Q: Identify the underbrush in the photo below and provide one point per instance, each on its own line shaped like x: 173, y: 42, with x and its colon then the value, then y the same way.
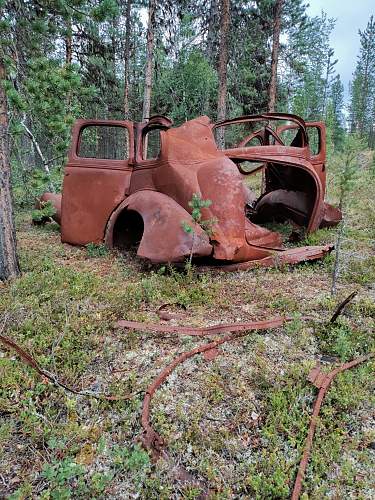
x: 238, y: 424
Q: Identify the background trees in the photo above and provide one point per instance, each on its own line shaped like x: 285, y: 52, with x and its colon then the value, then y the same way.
x: 131, y: 58
x: 117, y: 58
x: 362, y: 105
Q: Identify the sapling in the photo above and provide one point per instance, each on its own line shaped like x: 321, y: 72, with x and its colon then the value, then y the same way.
x: 197, y: 203
x: 348, y: 159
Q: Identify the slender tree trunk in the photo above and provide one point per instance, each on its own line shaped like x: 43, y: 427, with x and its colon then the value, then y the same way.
x: 9, y: 267
x: 275, y: 55
x: 211, y: 30
x: 149, y: 60
x: 127, y: 59
x: 68, y: 43
x: 326, y: 82
x: 223, y: 63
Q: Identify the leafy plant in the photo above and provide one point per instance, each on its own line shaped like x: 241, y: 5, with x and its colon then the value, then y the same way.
x: 96, y: 250
x: 62, y: 476
x: 197, y: 203
x: 44, y: 213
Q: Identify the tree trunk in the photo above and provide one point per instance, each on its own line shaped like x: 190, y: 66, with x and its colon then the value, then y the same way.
x: 68, y: 43
x: 275, y: 55
x: 223, y: 62
x: 127, y: 59
x: 9, y: 267
x: 212, y: 30
x: 149, y: 60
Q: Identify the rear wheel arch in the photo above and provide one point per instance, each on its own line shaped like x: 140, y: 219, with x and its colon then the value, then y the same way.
x: 153, y: 220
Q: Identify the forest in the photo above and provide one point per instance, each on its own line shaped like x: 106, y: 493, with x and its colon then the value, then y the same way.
x: 73, y: 380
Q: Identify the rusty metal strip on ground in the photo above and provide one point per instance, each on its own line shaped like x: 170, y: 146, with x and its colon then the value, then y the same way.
x: 167, y: 316
x: 150, y: 439
x: 202, y: 331
x: 322, y: 381
x: 342, y: 306
x: 289, y: 256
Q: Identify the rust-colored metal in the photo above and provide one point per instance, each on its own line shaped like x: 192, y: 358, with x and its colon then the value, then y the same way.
x: 279, y: 258
x: 130, y: 200
x: 55, y: 200
x: 322, y: 381
x: 163, y: 313
x: 151, y: 439
x: 202, y: 331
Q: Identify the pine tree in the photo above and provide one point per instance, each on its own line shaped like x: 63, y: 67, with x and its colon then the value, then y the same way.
x: 275, y: 54
x: 9, y: 267
x: 363, y: 86
x: 223, y: 62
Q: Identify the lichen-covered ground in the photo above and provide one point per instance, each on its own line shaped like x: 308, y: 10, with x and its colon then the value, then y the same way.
x: 237, y: 424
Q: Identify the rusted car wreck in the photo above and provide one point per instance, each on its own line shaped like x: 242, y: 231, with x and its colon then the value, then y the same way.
x: 128, y: 184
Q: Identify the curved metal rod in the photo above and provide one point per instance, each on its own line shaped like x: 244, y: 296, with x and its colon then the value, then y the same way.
x: 151, y: 439
x: 322, y: 381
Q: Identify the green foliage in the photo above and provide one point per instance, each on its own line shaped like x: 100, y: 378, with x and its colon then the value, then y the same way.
x: 64, y: 477
x: 197, y: 203
x: 362, y: 89
x: 348, y: 164
x: 106, y: 9
x: 43, y: 214
x: 187, y: 87
x: 96, y: 250
x: 133, y: 459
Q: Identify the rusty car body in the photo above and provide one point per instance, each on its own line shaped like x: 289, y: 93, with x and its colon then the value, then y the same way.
x: 129, y: 184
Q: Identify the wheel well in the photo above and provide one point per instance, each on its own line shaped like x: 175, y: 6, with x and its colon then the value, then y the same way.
x: 128, y: 230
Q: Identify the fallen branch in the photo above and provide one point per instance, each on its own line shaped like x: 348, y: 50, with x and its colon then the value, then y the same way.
x: 30, y: 361
x: 40, y: 154
x: 342, y: 306
x: 322, y: 381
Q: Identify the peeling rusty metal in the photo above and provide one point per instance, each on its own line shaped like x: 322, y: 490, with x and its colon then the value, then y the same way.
x: 278, y: 259
x: 136, y: 201
x: 322, y: 381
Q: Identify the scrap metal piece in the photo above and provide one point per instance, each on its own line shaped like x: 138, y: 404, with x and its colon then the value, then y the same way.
x: 202, y: 331
x: 291, y: 256
x: 118, y: 190
x: 322, y: 381
x: 55, y: 200
x: 342, y: 306
x: 150, y: 438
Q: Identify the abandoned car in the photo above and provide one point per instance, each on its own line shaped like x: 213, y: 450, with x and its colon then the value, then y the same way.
x: 128, y: 184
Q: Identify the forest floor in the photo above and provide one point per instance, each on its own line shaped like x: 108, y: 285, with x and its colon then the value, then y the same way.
x: 238, y: 423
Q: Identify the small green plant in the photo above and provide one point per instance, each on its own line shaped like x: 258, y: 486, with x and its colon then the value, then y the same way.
x: 44, y: 213
x: 63, y: 476
x: 130, y: 459
x: 197, y: 203
x: 96, y: 250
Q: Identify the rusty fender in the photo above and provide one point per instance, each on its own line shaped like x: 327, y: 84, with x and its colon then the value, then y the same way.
x: 55, y: 199
x: 164, y: 238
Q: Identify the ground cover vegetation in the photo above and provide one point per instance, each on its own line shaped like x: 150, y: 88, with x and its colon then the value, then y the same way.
x: 238, y: 423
